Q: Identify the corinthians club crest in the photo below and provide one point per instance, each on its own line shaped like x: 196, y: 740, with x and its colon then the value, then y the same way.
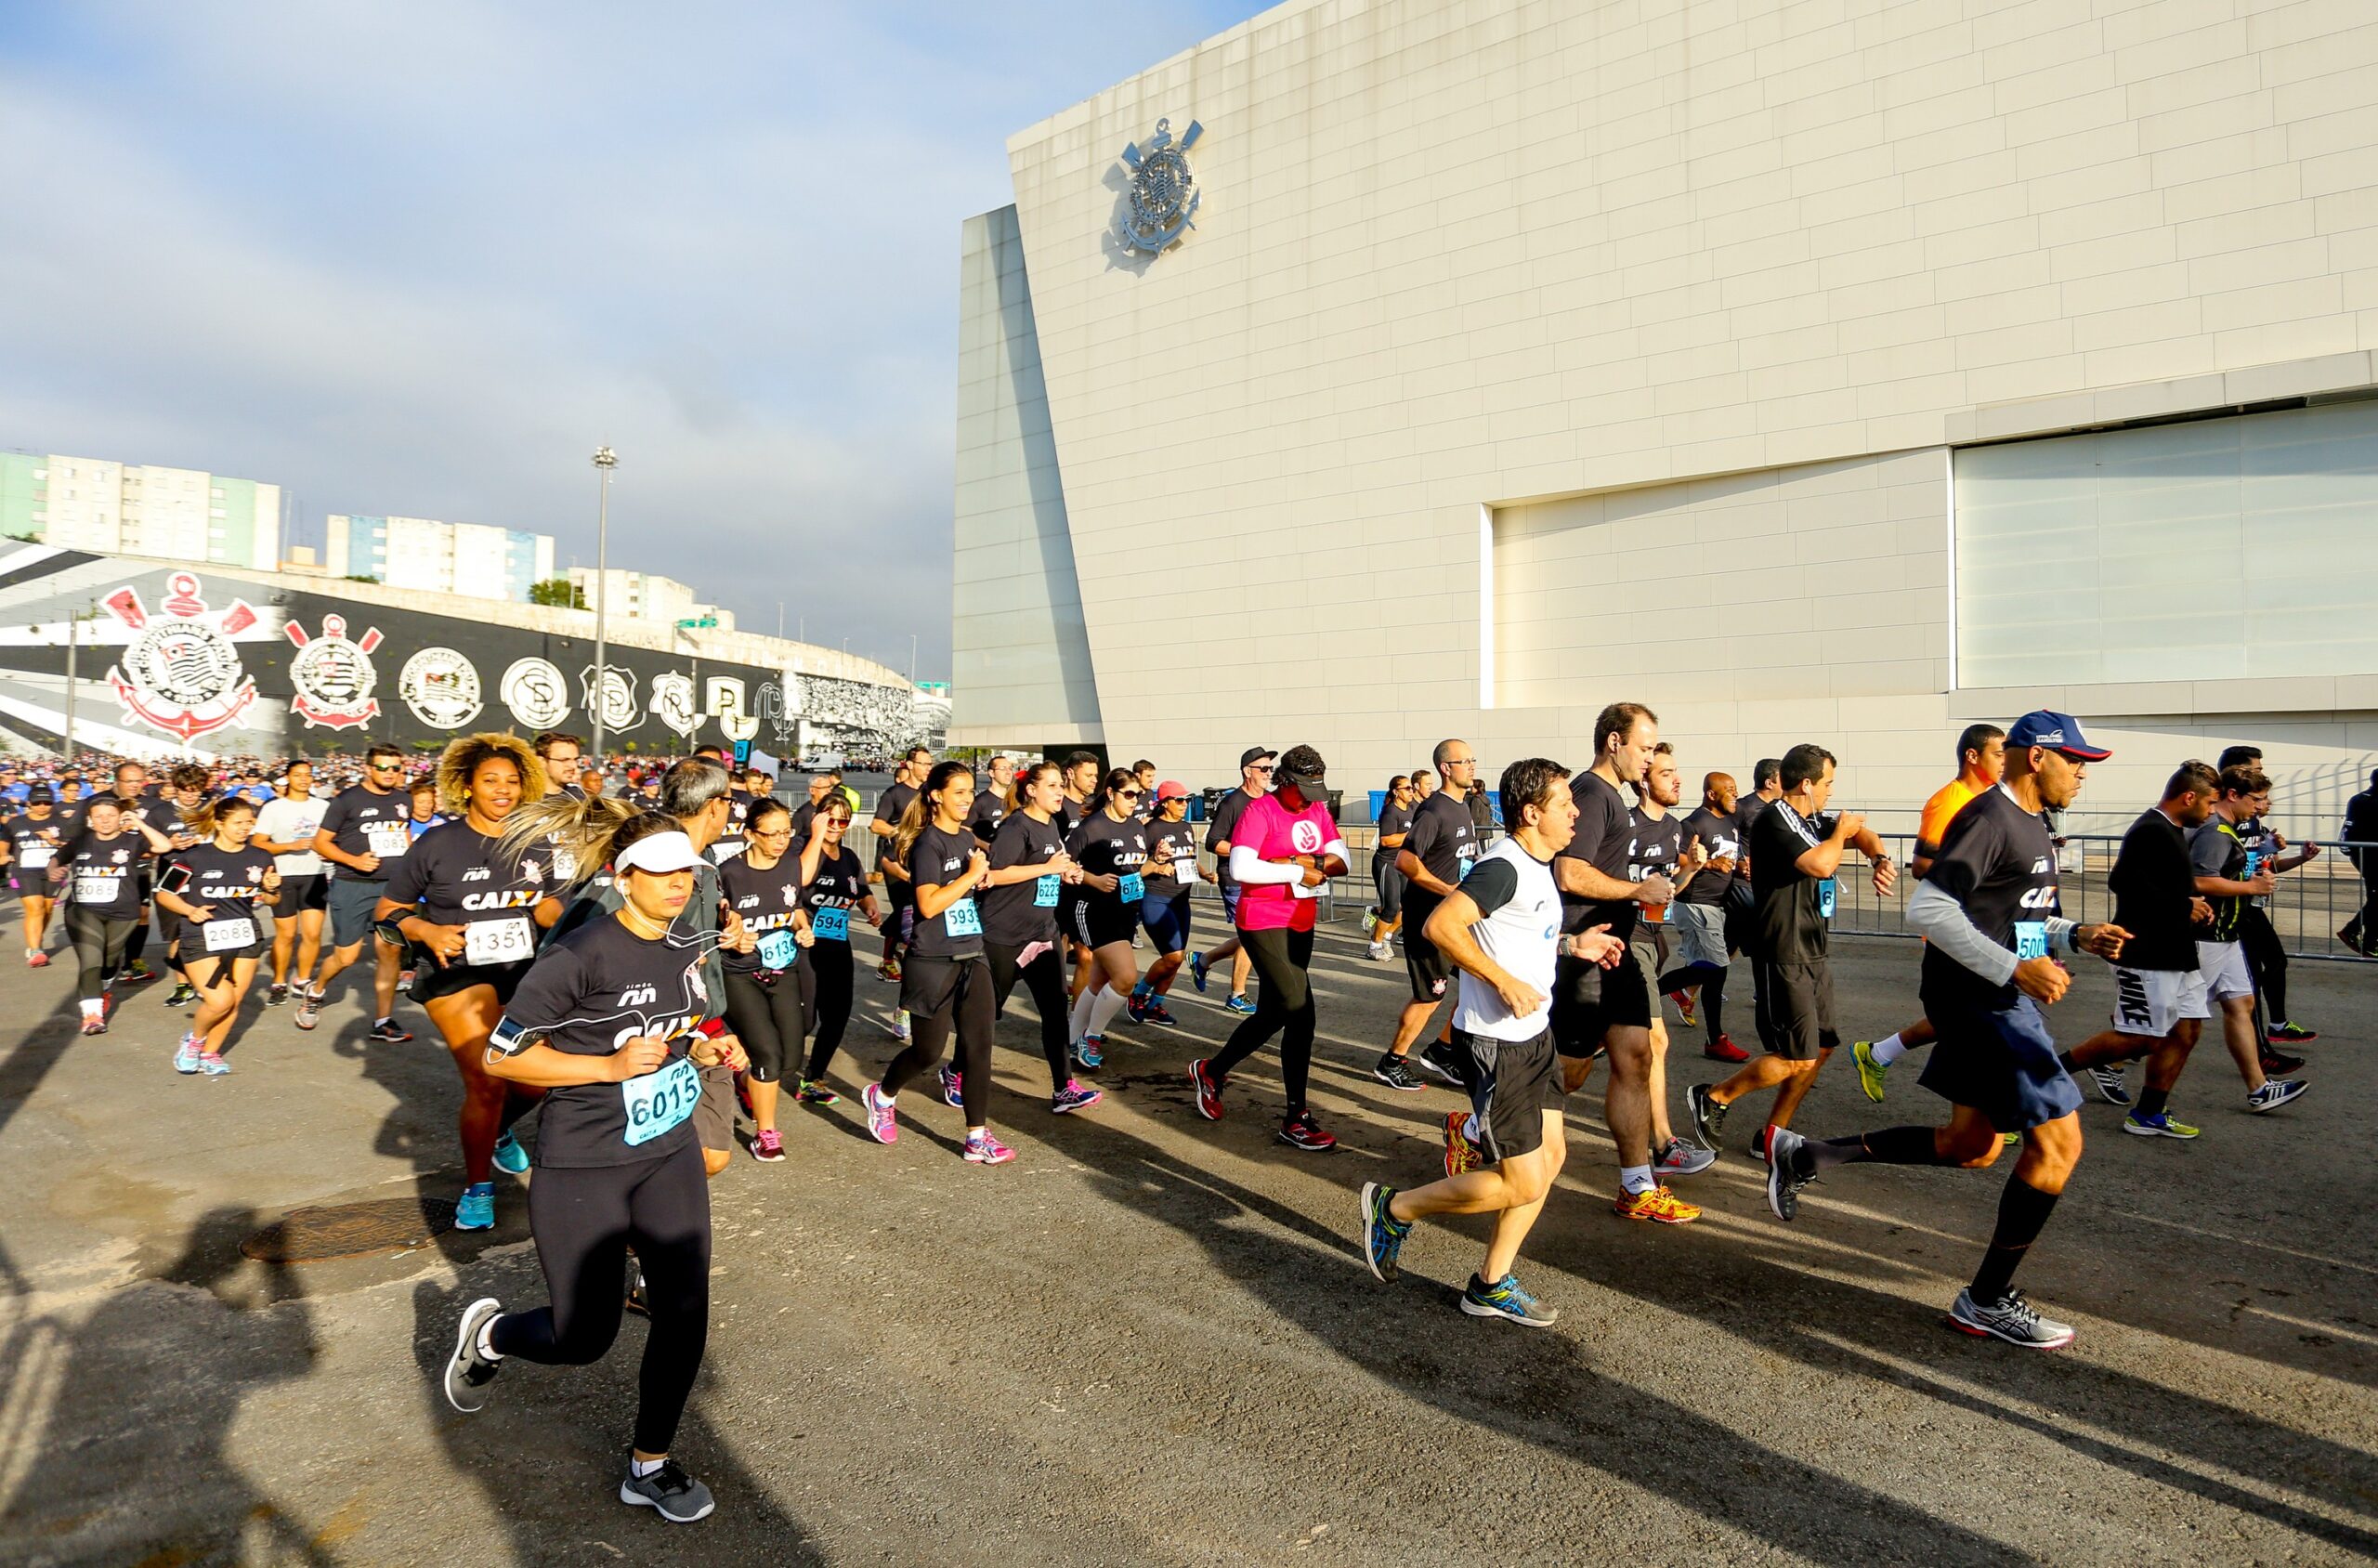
x: 672, y: 703
x: 535, y: 691
x: 181, y: 674
x: 1164, y: 198
x: 441, y: 687
x: 333, y: 676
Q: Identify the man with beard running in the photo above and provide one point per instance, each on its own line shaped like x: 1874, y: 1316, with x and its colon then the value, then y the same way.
x: 1437, y: 852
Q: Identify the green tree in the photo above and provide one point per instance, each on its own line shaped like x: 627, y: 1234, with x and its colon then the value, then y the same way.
x: 557, y: 590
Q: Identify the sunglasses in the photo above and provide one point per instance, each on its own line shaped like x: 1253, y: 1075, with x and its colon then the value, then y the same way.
x: 384, y: 768
x: 1266, y: 768
x: 1129, y: 794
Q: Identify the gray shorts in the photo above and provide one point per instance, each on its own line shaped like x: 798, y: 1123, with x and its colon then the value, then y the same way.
x: 1699, y: 932
x: 352, y: 899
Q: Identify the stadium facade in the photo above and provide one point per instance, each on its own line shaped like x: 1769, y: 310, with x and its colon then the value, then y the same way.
x: 1836, y: 370
x: 215, y: 661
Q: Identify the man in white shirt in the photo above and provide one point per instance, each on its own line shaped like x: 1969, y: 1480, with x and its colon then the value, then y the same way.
x: 285, y: 829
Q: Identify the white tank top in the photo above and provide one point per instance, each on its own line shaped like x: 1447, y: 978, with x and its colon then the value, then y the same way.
x: 1523, y: 938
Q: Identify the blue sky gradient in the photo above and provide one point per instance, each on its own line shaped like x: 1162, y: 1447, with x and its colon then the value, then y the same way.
x: 422, y: 259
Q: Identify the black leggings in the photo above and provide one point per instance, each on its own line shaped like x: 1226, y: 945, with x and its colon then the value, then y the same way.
x: 1045, y: 978
x: 2266, y: 959
x: 99, y: 942
x: 1284, y: 1006
x: 766, y: 1017
x: 1712, y: 981
x: 584, y: 1221
x: 943, y: 994
x: 826, y: 982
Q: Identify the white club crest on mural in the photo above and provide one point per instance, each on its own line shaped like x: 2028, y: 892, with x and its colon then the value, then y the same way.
x: 441, y: 687
x: 619, y: 695
x: 181, y: 674
x: 333, y: 677
x: 537, y: 693
x: 672, y: 701
x: 1164, y: 195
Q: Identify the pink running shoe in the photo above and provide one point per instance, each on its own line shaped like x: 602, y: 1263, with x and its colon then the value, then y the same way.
x: 984, y: 1149
x: 767, y: 1145
x: 36, y: 959
x: 879, y: 1118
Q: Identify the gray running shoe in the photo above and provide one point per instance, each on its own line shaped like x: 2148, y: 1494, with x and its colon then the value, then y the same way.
x: 2009, y: 1318
x: 2274, y: 1094
x: 670, y: 1492
x: 1789, y: 1169
x: 2111, y: 1088
x: 1681, y: 1158
x: 1708, y: 1116
x: 467, y: 1372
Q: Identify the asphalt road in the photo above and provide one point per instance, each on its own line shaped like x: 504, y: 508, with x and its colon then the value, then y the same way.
x: 1152, y: 1340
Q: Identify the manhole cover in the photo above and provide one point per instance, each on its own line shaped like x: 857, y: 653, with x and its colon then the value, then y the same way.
x: 350, y: 1230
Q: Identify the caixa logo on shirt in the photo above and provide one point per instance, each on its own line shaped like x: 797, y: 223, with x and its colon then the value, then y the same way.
x: 2038, y: 897
x: 519, y: 898
x: 659, y: 1028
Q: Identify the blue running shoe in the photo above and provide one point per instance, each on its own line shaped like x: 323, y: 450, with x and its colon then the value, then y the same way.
x: 1239, y: 1005
x: 953, y: 1089
x: 1504, y: 1298
x: 1382, y: 1233
x: 185, y: 1055
x: 1091, y: 1052
x: 1198, y: 972
x: 1136, y: 1009
x: 477, y: 1211
x: 1074, y: 1096
x: 510, y: 1157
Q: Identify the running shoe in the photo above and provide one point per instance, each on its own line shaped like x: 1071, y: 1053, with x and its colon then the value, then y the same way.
x: 1239, y: 1005
x: 476, y: 1209
x: 1198, y: 972
x: 1370, y: 919
x: 2274, y: 1094
x: 768, y: 1147
x: 1208, y: 1089
x: 669, y: 1492
x: 1504, y: 1298
x: 1870, y: 1073
x: 2109, y: 1086
x: 953, y: 1089
x: 1683, y: 1000
x: 1156, y: 1013
x: 881, y: 1121
x: 309, y: 1011
x: 1789, y: 1168
x: 2279, y: 1064
x: 1395, y: 1072
x: 36, y: 959
x: 93, y: 1023
x: 1089, y: 1053
x: 182, y: 995
x: 813, y: 1091
x: 888, y: 971
x: 1659, y: 1206
x: 1301, y: 1131
x: 743, y: 1098
x: 1074, y: 1096
x: 510, y: 1157
x: 138, y: 972
x: 468, y: 1371
x: 1708, y: 1116
x: 899, y: 1029
x: 1440, y: 1059
x: 1723, y: 1049
x: 984, y: 1149
x: 1461, y: 1155
x: 185, y: 1055
x: 275, y: 995
x: 2009, y: 1318
x: 1681, y: 1158
x: 210, y: 1062
x: 1135, y: 1009
x: 388, y: 1031
x: 2160, y: 1125
x: 1383, y: 1234
x: 2290, y: 1034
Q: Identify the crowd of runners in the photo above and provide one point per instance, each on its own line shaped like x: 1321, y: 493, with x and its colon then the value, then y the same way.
x: 655, y: 965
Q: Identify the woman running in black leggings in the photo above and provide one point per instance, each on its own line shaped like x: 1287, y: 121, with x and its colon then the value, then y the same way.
x: 609, y: 1025
x: 764, y: 972
x: 834, y: 891
x: 100, y: 872
x: 1030, y: 868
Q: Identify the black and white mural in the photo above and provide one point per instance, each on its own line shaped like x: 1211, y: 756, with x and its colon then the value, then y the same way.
x: 169, y: 659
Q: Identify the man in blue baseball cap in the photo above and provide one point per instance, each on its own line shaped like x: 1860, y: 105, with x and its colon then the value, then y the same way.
x: 1987, y: 912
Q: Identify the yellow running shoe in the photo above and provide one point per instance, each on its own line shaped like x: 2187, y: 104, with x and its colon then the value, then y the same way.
x: 1870, y: 1073
x: 1659, y: 1206
x: 1461, y: 1155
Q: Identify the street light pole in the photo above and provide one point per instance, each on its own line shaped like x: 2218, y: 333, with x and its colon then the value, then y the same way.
x: 73, y: 637
x: 605, y: 460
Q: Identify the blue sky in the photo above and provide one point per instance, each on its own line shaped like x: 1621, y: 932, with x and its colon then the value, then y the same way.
x: 422, y: 259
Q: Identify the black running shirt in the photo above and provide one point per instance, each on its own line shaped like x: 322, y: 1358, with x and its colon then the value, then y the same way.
x: 1173, y: 846
x: 1718, y: 836
x: 766, y: 900
x: 936, y: 859
x: 1106, y: 847
x: 2152, y: 883
x: 1020, y: 913
x: 225, y: 882
x: 1998, y: 862
x: 1445, y: 841
x: 103, y: 875
x: 455, y: 877
x: 1605, y: 830
x: 890, y: 806
x: 1227, y: 812
x: 1788, y: 924
x: 360, y: 821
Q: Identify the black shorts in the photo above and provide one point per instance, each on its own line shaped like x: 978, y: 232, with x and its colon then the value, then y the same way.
x: 1512, y: 1083
x: 192, y: 953
x: 1431, y: 976
x: 1792, y: 1004
x: 2002, y: 1064
x: 1099, y: 922
x: 430, y: 982
x: 351, y: 901
x: 35, y: 884
x: 1589, y: 1001
x: 301, y: 893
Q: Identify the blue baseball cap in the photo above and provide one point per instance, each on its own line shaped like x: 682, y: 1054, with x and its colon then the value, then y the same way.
x: 2058, y: 732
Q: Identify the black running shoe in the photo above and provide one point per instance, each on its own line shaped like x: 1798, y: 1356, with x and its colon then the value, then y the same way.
x: 1392, y: 1071
x: 2279, y: 1064
x: 1708, y: 1116
x: 467, y: 1372
x: 1789, y: 1168
x: 1438, y: 1057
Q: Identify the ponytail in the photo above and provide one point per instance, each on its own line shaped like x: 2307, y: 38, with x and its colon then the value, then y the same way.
x: 920, y: 812
x: 587, y: 830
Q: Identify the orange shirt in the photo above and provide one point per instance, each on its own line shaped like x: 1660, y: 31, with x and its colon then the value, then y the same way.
x: 1940, y: 810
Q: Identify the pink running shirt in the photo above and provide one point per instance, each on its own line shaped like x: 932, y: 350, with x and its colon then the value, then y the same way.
x: 1270, y: 831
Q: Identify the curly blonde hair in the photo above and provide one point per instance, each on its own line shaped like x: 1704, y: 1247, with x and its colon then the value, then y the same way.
x: 465, y: 752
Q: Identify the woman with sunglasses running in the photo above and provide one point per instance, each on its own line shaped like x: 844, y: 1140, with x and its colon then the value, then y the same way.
x: 474, y: 909
x: 946, y: 984
x: 1029, y: 871
x: 214, y: 886
x: 1172, y: 877
x: 834, y: 890
x: 1112, y: 846
x: 1282, y: 850
x: 763, y: 980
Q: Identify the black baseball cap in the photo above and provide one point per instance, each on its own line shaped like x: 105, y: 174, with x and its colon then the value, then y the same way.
x: 1302, y: 768
x: 1254, y: 754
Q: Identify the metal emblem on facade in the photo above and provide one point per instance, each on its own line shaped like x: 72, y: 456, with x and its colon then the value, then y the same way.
x: 333, y: 676
x: 672, y: 701
x: 1164, y: 196
x: 619, y: 695
x: 441, y: 687
x: 181, y: 674
x: 536, y: 692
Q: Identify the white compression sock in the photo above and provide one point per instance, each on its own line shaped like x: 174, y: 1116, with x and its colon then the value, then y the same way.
x: 1636, y: 1178
x: 1080, y: 1022
x: 93, y: 1006
x: 1103, y: 1011
x: 1888, y: 1051
x: 644, y: 1466
x: 486, y: 1338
